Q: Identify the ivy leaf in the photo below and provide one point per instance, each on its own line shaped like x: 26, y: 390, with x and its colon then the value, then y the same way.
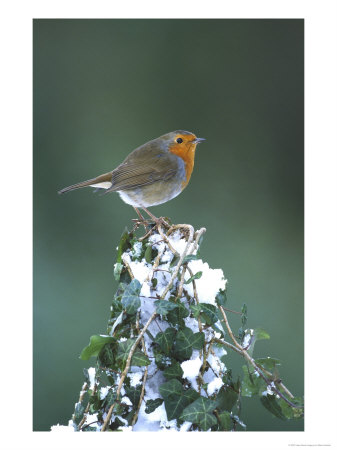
x: 123, y: 244
x: 288, y: 411
x: 118, y: 267
x: 225, y: 421
x: 174, y: 371
x: 96, y: 344
x: 208, y: 314
x: 151, y: 405
x: 252, y: 383
x: 270, y: 403
x: 109, y: 399
x: 200, y: 412
x: 106, y: 356
x: 130, y: 299
x: 172, y: 387
x: 226, y: 398
x: 123, y: 350
x: 268, y: 363
x: 196, y: 276
x: 148, y: 254
x: 139, y: 359
x: 164, y: 306
x: 186, y: 340
x: 189, y: 258
x: 196, y: 310
x: 165, y: 340
x: 78, y: 413
x: 177, y: 315
x: 174, y: 261
x: 133, y: 393
x: 175, y: 404
x: 221, y: 298
x: 260, y: 334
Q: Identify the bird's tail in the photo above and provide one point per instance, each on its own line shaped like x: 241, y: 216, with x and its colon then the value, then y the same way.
x: 101, y: 182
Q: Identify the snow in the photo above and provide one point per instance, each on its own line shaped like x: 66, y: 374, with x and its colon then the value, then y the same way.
x: 59, y: 427
x: 269, y: 390
x: 247, y: 340
x: 208, y: 286
x: 191, y: 370
x: 137, y: 249
x: 103, y: 392
x: 91, y: 373
x: 214, y: 386
x: 135, y: 378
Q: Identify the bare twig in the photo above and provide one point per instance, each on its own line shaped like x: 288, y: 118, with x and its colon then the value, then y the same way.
x: 135, y: 417
x: 127, y: 366
x: 246, y: 355
x: 127, y: 265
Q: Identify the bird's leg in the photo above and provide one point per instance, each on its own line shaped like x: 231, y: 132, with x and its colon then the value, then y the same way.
x: 140, y: 221
x: 157, y: 220
x: 139, y: 214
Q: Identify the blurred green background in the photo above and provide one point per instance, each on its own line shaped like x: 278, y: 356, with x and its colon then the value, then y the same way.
x: 104, y: 87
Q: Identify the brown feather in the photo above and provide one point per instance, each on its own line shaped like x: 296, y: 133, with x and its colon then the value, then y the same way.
x: 99, y: 179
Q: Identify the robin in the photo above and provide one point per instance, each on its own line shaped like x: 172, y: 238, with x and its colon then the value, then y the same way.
x: 152, y: 174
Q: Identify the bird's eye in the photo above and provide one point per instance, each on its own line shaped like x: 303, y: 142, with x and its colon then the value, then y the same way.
x: 179, y: 140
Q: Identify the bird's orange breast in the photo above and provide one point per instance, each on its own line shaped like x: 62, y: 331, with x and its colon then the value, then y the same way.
x: 186, y: 153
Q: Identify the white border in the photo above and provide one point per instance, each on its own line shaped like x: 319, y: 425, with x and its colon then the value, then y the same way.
x: 320, y: 209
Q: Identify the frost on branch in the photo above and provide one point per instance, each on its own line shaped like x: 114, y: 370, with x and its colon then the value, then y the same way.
x: 163, y: 364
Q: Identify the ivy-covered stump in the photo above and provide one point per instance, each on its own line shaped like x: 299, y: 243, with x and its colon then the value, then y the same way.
x: 163, y: 362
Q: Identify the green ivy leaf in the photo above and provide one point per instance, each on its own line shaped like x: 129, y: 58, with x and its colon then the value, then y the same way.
x: 109, y: 399
x: 165, y: 340
x: 172, y: 387
x: 123, y: 244
x: 221, y: 298
x: 268, y: 363
x: 151, y: 405
x: 139, y: 359
x: 174, y: 261
x: 200, y: 412
x: 133, y: 393
x: 95, y: 345
x: 226, y: 398
x: 196, y: 276
x: 78, y: 413
x: 252, y: 383
x: 260, y: 334
x: 270, y: 403
x: 208, y: 314
x: 225, y: 421
x: 174, y: 371
x: 175, y: 404
x: 118, y: 270
x: 130, y: 298
x: 189, y: 258
x: 196, y: 310
x: 177, y: 315
x: 148, y: 254
x: 186, y: 340
x: 106, y: 356
x: 164, y: 306
x: 290, y: 412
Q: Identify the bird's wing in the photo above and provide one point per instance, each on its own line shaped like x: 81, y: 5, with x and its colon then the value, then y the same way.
x: 134, y: 173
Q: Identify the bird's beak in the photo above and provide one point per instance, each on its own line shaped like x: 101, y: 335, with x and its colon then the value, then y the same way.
x: 197, y: 140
